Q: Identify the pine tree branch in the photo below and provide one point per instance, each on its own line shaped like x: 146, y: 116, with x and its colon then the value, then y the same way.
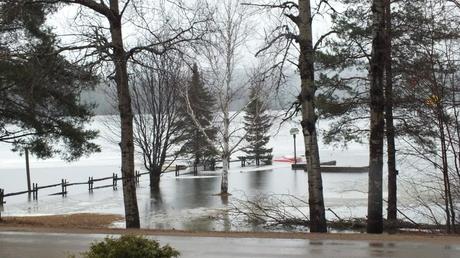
x: 320, y: 40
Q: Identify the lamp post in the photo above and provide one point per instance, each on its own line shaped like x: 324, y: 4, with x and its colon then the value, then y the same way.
x: 294, y: 132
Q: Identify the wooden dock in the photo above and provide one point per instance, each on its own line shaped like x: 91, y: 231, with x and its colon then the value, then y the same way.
x: 326, y: 168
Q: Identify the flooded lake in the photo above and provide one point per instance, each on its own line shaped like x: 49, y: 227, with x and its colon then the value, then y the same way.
x: 190, y: 202
x: 185, y: 202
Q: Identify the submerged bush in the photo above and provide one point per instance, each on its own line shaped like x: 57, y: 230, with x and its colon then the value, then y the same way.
x: 129, y: 246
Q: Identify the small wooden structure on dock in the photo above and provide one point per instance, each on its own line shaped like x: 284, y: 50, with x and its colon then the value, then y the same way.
x: 267, y: 160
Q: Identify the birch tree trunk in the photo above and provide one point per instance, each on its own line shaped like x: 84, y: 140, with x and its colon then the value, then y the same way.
x: 225, y: 154
x: 377, y: 123
x: 226, y: 114
x: 307, y: 98
x: 126, y: 118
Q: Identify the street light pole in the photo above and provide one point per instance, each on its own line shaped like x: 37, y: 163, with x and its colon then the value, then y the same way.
x: 295, y: 152
x: 293, y: 132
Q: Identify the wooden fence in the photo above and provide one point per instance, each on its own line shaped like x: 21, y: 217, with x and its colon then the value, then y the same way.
x: 64, y: 184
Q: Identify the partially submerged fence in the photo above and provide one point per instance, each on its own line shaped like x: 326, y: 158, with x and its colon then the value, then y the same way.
x: 64, y: 184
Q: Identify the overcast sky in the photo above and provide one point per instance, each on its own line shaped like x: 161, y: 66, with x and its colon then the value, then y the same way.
x: 72, y: 20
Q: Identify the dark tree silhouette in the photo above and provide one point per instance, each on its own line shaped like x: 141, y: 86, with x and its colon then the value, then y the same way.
x: 202, y: 104
x: 40, y: 107
x: 257, y: 123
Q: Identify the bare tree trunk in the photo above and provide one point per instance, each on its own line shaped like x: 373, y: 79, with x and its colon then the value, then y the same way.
x: 307, y: 98
x: 377, y: 123
x: 155, y: 174
x: 390, y: 130
x: 126, y: 118
x: 450, y: 213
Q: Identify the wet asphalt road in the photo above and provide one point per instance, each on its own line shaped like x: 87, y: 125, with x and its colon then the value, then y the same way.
x: 50, y: 245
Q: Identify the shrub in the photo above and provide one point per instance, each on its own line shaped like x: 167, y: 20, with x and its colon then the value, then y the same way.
x: 129, y: 246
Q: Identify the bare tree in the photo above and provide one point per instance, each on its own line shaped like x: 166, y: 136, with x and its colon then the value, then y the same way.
x: 157, y: 131
x: 434, y: 78
x: 101, y: 41
x: 223, y: 56
x: 232, y: 33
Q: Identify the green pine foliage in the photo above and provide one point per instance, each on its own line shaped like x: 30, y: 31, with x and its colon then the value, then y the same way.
x: 257, y: 123
x: 40, y: 106
x: 419, y: 35
x: 129, y: 246
x: 202, y: 103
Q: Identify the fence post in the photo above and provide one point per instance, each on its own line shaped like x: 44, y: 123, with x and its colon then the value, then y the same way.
x: 27, y: 170
x: 64, y: 187
x: 35, y: 191
x: 90, y: 184
x: 115, y: 179
x: 2, y: 193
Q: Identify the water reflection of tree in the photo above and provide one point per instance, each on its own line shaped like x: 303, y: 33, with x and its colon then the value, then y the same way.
x: 154, y: 207
x: 259, y: 180
x: 156, y: 200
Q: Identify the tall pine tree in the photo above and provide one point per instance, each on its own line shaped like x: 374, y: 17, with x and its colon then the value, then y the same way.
x: 257, y: 123
x: 40, y: 105
x: 199, y: 145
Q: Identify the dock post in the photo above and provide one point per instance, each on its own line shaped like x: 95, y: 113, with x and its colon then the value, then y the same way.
x: 243, y: 161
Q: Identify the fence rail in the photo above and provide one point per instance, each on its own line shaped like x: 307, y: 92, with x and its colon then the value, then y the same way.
x: 91, y: 180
